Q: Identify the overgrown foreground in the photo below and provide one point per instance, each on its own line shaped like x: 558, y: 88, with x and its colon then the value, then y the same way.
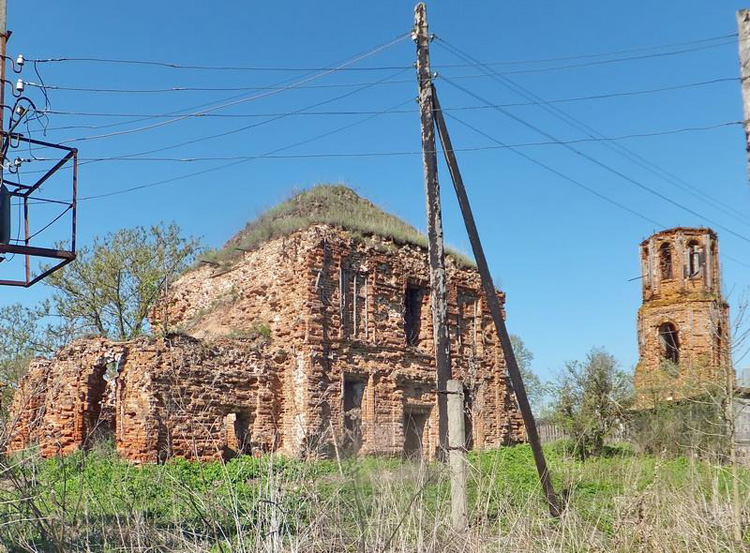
x: 621, y: 502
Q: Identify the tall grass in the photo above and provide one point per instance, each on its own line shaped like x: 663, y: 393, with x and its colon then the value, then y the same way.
x: 621, y: 502
x: 336, y: 205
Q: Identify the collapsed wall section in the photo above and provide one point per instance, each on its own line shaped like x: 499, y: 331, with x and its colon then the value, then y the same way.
x: 182, y: 397
x: 59, y: 403
x: 156, y: 399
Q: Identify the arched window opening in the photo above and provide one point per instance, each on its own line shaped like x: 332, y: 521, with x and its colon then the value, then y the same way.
x: 694, y: 259
x: 665, y: 261
x: 670, y: 343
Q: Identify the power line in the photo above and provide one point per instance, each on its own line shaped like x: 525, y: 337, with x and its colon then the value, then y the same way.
x: 197, y: 159
x: 602, y: 62
x: 610, y: 169
x: 145, y: 116
x: 572, y: 180
x: 556, y: 172
x: 330, y: 85
x: 238, y: 129
x: 88, y: 160
x: 593, y: 133
x: 174, y: 65
x: 240, y: 161
x: 209, y: 88
x: 343, y: 85
x: 215, y: 67
x: 243, y: 100
x: 587, y: 130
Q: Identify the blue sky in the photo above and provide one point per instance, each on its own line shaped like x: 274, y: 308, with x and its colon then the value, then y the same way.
x: 564, y: 256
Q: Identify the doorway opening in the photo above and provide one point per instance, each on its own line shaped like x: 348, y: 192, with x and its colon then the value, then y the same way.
x: 414, y: 425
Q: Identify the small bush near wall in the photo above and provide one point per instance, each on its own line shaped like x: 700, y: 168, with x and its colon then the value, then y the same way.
x: 694, y: 428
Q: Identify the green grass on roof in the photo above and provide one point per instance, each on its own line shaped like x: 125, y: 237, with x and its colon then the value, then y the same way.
x: 325, y: 203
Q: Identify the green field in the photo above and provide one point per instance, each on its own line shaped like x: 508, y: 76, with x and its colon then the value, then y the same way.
x: 619, y: 502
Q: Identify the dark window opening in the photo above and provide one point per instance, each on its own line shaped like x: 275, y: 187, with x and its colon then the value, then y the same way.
x: 413, y: 314
x: 238, y: 437
x: 694, y: 259
x: 354, y: 391
x: 669, y: 341
x: 665, y: 261
x: 98, y: 420
x: 414, y: 424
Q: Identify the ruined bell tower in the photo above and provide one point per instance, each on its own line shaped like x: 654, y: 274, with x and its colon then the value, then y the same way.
x: 683, y: 323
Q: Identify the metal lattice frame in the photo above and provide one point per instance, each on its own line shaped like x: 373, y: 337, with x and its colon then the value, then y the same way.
x: 25, y: 193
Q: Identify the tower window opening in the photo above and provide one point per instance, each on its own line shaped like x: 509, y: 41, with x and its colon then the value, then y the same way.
x: 665, y: 261
x: 695, y: 259
x: 670, y: 344
x: 413, y: 314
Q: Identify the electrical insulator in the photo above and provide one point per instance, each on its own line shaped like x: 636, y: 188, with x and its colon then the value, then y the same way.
x: 20, y: 110
x: 20, y: 61
x: 19, y: 85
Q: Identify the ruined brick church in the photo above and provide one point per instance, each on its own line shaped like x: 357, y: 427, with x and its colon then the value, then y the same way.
x: 305, y: 335
x: 683, y: 323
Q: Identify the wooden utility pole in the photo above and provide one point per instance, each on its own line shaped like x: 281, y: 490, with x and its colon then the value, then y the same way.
x: 495, y: 310
x: 4, y: 196
x: 3, y: 52
x: 457, y: 454
x: 438, y: 294
x: 743, y: 24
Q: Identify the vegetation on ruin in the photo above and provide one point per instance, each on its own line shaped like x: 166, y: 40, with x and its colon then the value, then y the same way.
x: 332, y: 204
x: 108, y: 292
x: 617, y: 502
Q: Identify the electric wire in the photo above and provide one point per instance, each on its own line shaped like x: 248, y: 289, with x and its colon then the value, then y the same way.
x: 103, y: 90
x: 603, y: 165
x: 408, y: 152
x: 246, y: 99
x: 52, y: 222
x: 593, y: 133
x: 147, y: 116
x: 211, y: 88
x: 173, y: 65
x: 340, y: 85
x: 616, y: 172
x: 574, y: 181
x: 238, y: 162
x: 606, y: 62
x: 246, y: 127
x: 338, y: 155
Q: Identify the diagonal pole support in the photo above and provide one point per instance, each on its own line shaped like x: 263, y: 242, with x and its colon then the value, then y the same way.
x: 495, y: 310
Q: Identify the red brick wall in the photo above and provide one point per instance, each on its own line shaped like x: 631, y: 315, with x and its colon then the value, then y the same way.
x: 273, y: 339
x: 695, y: 306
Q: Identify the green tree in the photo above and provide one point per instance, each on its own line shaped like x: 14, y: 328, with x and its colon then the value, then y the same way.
x: 112, y: 285
x: 591, y: 399
x: 108, y: 291
x: 535, y: 390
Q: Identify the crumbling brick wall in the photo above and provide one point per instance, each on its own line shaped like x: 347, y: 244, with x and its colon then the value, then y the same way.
x: 318, y: 340
x: 342, y: 300
x: 683, y: 323
x: 182, y: 397
x: 162, y: 398
x: 58, y: 404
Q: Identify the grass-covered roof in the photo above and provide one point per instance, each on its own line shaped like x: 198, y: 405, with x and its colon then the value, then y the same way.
x: 325, y: 203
